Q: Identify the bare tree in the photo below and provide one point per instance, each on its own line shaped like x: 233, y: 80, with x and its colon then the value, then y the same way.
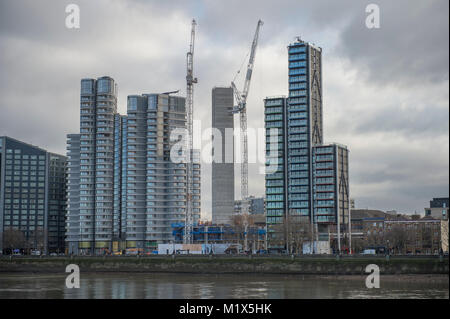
x: 399, y: 238
x: 229, y: 234
x: 238, y: 228
x: 37, y: 239
x: 278, y: 235
x: 427, y: 239
x: 358, y: 244
x: 298, y: 232
x: 375, y: 238
x: 13, y: 239
x: 241, y: 225
x: 292, y: 233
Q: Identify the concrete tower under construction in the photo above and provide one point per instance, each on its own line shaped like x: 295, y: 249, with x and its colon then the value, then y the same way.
x: 223, y: 164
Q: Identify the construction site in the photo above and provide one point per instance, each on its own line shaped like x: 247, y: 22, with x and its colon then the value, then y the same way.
x: 154, y: 188
x: 227, y: 102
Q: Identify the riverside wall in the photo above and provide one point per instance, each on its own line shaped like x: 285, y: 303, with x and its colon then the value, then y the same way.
x: 228, y: 265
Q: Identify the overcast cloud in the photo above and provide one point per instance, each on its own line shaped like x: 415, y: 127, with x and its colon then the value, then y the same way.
x: 385, y: 90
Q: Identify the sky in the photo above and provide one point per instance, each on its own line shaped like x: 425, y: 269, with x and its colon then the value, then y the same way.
x: 385, y: 90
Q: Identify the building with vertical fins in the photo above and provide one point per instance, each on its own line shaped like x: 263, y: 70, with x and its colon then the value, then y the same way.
x: 304, y: 123
x: 331, y: 191
x: 222, y: 178
x: 293, y: 190
x: 124, y: 190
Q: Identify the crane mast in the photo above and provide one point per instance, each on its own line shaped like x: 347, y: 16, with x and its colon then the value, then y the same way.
x: 241, y: 99
x: 241, y: 108
x: 190, y: 80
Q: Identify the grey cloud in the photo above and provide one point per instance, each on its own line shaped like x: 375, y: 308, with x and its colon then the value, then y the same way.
x: 409, y: 48
x: 411, y: 122
x: 142, y: 45
x: 428, y: 121
x: 397, y: 173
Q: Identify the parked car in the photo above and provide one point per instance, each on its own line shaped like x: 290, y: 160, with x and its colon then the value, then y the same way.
x: 232, y: 250
x: 35, y: 253
x: 16, y: 252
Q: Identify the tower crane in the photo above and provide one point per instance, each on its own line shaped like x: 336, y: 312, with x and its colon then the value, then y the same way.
x: 190, y: 80
x: 241, y: 99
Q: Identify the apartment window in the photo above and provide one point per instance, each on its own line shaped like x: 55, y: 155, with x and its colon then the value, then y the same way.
x: 104, y: 86
x: 86, y: 87
x: 132, y: 104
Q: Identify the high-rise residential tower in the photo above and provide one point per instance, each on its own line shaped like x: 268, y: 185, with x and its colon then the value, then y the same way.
x: 156, y: 185
x: 223, y: 164
x: 304, y: 123
x: 125, y: 192
x: 32, y: 198
x: 292, y: 191
x: 90, y: 228
x: 73, y: 229
x: 276, y: 183
x: 119, y: 200
x: 331, y: 192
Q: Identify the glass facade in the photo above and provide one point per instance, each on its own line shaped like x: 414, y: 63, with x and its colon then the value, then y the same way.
x: 331, y: 187
x: 275, y: 114
x: 57, y: 202
x: 32, y: 197
x: 303, y: 120
x: 312, y: 179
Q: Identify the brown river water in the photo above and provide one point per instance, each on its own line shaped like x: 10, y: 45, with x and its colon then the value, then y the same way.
x: 196, y: 286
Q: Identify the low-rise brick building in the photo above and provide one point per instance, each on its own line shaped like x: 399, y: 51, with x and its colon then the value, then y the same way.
x: 402, y: 234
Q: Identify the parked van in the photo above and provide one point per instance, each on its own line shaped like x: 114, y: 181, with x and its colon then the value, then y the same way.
x: 369, y: 252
